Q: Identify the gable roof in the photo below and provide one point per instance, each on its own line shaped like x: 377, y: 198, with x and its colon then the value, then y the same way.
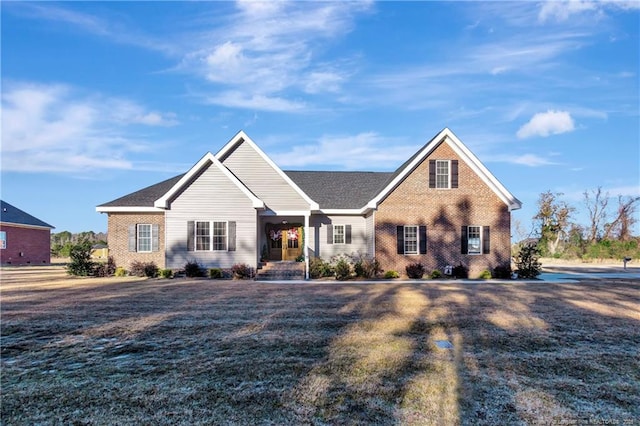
x: 208, y: 160
x: 13, y: 215
x: 447, y: 136
x: 340, y: 190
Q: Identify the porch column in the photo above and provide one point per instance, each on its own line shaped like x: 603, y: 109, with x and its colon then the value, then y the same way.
x: 306, y: 246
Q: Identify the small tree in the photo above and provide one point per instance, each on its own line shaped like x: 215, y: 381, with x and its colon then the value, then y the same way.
x: 527, y: 261
x: 81, y: 263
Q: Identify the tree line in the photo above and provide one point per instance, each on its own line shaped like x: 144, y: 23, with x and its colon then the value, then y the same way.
x: 608, y: 233
x: 63, y: 242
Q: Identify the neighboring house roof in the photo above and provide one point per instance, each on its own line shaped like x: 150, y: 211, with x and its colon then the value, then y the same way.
x: 340, y: 190
x: 143, y: 198
x: 13, y: 215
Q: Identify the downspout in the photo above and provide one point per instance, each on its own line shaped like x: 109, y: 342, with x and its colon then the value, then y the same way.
x: 306, y: 246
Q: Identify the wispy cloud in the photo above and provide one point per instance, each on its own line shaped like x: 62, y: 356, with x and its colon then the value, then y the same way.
x: 363, y: 151
x: 56, y: 128
x: 530, y: 160
x: 561, y: 11
x: 547, y: 123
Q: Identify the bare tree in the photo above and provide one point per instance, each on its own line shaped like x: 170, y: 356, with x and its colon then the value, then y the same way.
x: 621, y: 226
x: 554, y: 215
x: 596, y: 203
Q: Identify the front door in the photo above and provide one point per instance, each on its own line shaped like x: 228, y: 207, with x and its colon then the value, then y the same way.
x: 285, y: 241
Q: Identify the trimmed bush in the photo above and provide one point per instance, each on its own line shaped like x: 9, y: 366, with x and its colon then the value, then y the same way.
x: 342, y: 269
x: 105, y: 269
x: 142, y: 269
x: 415, y: 270
x: 365, y: 266
x: 502, y: 272
x: 216, y: 273
x: 460, y: 271
x: 391, y: 274
x: 166, y: 273
x: 242, y: 271
x: 318, y: 268
x: 192, y: 269
x: 120, y: 272
x: 435, y: 274
x: 485, y: 275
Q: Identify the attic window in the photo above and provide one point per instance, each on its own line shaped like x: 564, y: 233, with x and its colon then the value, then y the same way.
x: 442, y: 174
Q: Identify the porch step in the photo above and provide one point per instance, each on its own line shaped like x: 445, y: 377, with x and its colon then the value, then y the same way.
x: 285, y: 270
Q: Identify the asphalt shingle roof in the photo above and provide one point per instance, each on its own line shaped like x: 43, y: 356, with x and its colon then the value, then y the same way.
x: 11, y: 214
x: 144, y: 197
x: 340, y: 190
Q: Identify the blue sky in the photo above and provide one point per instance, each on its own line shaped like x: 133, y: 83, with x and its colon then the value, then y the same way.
x: 102, y: 99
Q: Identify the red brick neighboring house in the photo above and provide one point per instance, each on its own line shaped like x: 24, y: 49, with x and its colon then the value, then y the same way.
x: 24, y: 239
x: 441, y: 207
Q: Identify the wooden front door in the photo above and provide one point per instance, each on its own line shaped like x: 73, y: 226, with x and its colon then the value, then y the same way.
x: 285, y: 241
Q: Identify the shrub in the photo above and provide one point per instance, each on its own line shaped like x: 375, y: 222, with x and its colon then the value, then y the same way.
x: 365, y: 266
x: 120, y: 272
x: 319, y: 268
x: 341, y: 266
x: 215, y: 273
x: 242, y: 271
x: 391, y: 274
x: 435, y: 274
x: 142, y: 269
x: 485, y: 275
x: 300, y: 258
x: 502, y: 272
x: 192, y: 269
x: 81, y: 263
x: 527, y: 261
x: 105, y: 269
x: 166, y: 273
x: 460, y: 271
x: 415, y: 270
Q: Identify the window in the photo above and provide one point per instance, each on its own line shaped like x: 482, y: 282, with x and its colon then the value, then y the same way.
x: 442, y: 174
x: 219, y: 236
x: 474, y: 240
x: 144, y: 237
x: 410, y: 240
x: 203, y: 236
x: 338, y: 234
x: 3, y: 240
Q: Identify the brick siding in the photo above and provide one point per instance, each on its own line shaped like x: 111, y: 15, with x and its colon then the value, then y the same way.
x: 26, y: 246
x: 443, y: 211
x: 118, y: 238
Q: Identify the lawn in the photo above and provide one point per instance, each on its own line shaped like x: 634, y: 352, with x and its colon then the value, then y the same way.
x: 131, y: 351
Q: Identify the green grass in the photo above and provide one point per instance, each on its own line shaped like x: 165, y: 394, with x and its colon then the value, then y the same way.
x: 131, y: 351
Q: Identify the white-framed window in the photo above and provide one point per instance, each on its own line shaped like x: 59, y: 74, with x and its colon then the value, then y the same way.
x: 219, y: 236
x: 144, y: 237
x: 474, y: 239
x: 442, y: 174
x: 410, y: 239
x: 3, y: 239
x: 210, y: 236
x: 203, y: 236
x: 338, y: 234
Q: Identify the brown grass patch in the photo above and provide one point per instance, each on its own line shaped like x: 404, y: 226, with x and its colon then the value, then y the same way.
x: 131, y: 351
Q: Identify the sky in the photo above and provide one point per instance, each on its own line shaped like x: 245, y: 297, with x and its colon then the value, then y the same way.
x: 100, y: 99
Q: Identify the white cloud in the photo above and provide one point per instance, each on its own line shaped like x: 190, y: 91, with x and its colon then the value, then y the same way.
x: 239, y: 99
x: 561, y: 11
x: 547, y: 123
x: 55, y: 128
x: 529, y: 160
x: 364, y: 151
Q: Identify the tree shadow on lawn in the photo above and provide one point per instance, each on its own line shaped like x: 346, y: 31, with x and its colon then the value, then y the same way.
x: 203, y: 352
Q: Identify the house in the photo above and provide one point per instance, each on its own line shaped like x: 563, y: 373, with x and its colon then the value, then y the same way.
x: 441, y: 207
x: 24, y: 239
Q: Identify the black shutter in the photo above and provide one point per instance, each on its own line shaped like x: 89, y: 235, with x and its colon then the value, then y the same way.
x: 464, y: 249
x: 132, y: 238
x: 423, y: 239
x: 155, y: 237
x: 347, y: 234
x: 400, y: 239
x: 232, y: 236
x: 432, y: 173
x: 329, y: 234
x: 191, y: 235
x: 486, y: 240
x: 454, y: 173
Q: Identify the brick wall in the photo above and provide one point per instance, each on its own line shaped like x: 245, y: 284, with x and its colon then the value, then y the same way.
x: 443, y: 211
x: 26, y: 246
x: 118, y: 238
